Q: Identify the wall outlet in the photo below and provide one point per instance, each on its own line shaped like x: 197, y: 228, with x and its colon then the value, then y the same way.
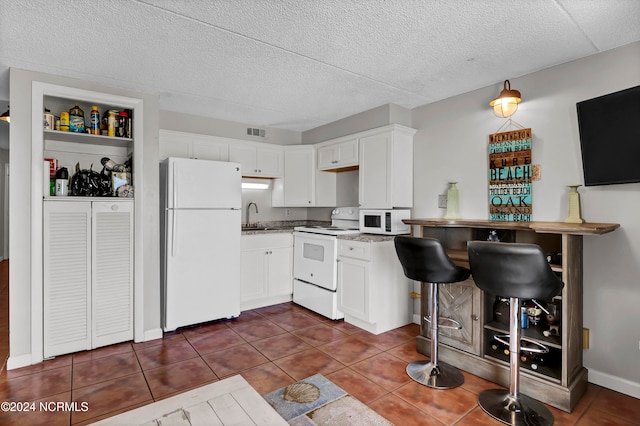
x: 585, y: 338
x: 287, y: 212
x: 442, y: 201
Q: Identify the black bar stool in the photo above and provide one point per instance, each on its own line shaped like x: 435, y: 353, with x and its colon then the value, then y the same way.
x: 517, y: 271
x: 424, y: 260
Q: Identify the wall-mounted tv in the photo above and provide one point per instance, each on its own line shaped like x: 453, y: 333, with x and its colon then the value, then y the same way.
x: 610, y: 137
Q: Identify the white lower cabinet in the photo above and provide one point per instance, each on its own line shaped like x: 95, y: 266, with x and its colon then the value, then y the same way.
x: 88, y: 274
x: 373, y: 292
x: 266, y: 276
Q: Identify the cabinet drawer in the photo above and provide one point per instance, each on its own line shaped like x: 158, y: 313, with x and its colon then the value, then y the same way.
x: 354, y: 249
x: 266, y: 241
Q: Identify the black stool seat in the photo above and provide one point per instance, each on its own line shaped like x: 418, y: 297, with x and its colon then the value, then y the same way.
x: 516, y: 271
x: 425, y: 260
x: 513, y: 270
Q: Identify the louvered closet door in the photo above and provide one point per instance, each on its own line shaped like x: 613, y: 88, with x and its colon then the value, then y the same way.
x: 67, y: 275
x: 112, y: 272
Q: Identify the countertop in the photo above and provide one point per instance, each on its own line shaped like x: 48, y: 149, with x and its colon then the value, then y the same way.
x: 275, y: 227
x: 366, y: 238
x: 586, y: 228
x: 287, y: 226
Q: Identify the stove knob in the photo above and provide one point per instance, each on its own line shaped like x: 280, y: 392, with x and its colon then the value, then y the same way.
x: 335, y: 211
x: 350, y: 211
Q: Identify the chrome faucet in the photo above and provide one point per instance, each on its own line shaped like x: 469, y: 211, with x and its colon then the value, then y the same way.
x: 248, y: 207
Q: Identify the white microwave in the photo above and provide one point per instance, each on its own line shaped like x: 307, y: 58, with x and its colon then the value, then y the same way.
x: 387, y: 222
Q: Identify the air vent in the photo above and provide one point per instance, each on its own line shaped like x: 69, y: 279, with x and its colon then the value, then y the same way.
x: 256, y: 132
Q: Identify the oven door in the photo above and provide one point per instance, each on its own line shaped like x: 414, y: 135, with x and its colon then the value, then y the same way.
x: 314, y: 259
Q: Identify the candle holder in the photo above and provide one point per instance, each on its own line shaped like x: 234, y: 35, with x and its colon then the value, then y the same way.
x: 574, y: 205
x: 453, y: 210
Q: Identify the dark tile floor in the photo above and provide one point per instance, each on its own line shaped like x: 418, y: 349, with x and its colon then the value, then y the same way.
x: 270, y: 347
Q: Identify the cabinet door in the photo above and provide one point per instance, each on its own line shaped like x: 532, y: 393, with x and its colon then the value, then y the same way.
x: 460, y: 302
x: 338, y: 155
x: 280, y: 274
x: 353, y: 288
x: 269, y: 162
x: 112, y: 273
x: 253, y: 283
x: 206, y: 148
x: 298, y: 178
x: 174, y: 144
x: 327, y: 157
x: 246, y: 156
x: 67, y: 277
x: 347, y: 153
x: 374, y: 176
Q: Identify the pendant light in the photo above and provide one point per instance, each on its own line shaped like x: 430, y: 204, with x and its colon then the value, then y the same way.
x: 5, y: 116
x: 506, y: 104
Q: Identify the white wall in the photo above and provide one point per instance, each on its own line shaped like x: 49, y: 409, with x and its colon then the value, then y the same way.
x: 4, y: 159
x: 451, y: 144
x: 25, y: 216
x: 180, y: 122
x: 266, y: 213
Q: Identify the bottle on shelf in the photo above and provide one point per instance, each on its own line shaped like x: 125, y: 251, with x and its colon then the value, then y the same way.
x: 538, y: 361
x: 123, y: 123
x: 111, y: 122
x: 64, y: 121
x: 76, y: 119
x: 94, y: 122
x: 499, y: 348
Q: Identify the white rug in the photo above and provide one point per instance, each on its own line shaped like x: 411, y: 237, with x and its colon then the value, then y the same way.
x: 231, y: 401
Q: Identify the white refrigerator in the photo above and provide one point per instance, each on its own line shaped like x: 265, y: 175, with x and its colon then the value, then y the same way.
x: 201, y: 226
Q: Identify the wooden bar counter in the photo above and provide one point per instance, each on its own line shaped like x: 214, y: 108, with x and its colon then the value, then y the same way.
x: 558, y: 378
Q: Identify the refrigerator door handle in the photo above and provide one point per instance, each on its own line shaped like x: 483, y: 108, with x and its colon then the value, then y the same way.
x: 173, y: 189
x: 174, y: 224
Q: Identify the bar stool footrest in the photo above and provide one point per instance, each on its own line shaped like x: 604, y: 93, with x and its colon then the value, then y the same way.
x: 538, y: 349
x: 455, y: 324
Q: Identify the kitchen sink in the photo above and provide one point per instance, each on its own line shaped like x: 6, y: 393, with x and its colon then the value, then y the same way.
x: 255, y: 228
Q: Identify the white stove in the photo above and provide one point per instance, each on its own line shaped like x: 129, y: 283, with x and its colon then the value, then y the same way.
x: 315, y: 256
x: 327, y: 230
x: 344, y: 220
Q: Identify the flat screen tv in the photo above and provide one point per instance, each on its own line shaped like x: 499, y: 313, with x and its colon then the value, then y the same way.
x: 610, y: 137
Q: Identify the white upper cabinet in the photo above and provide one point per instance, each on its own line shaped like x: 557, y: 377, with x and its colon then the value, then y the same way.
x: 191, y: 145
x: 338, y: 154
x: 302, y: 184
x: 209, y: 148
x: 386, y: 168
x: 257, y: 160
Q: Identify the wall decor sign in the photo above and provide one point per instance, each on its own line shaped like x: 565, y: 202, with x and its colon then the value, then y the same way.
x: 510, y: 176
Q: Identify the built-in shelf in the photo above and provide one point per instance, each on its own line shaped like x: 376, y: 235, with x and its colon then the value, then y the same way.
x: 57, y: 135
x: 533, y: 332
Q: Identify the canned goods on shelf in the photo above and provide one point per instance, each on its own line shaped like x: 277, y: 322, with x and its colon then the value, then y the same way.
x: 64, y: 121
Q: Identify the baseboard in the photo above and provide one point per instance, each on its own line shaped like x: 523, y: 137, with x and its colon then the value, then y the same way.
x: 18, y: 361
x: 617, y: 384
x: 153, y: 334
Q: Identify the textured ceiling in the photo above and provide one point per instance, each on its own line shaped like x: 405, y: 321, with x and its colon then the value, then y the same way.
x: 299, y: 64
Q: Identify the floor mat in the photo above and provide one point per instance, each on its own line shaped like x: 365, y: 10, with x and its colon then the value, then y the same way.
x: 318, y: 401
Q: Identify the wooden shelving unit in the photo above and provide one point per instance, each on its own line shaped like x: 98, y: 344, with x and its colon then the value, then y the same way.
x: 560, y: 383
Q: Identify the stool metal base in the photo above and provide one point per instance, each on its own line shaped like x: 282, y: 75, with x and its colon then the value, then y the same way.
x: 441, y: 376
x: 521, y: 411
